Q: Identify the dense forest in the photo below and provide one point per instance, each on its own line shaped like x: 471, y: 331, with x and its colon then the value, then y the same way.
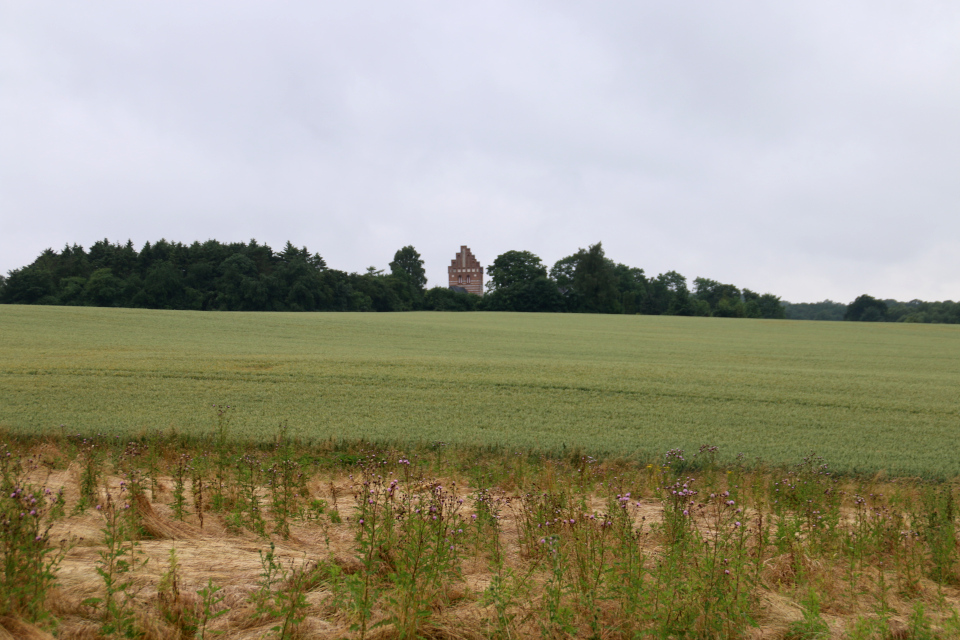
x: 253, y: 277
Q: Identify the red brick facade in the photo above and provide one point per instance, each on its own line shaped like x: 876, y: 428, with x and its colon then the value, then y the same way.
x: 464, y: 271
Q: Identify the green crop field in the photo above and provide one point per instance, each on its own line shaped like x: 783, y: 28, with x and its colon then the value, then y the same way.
x: 864, y: 396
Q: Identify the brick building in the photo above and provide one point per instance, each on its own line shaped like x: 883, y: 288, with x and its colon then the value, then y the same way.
x: 465, y: 272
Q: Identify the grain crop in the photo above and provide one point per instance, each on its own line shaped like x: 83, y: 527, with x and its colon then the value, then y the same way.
x: 867, y: 397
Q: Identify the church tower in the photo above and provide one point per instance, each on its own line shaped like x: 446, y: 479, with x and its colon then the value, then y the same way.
x: 465, y: 272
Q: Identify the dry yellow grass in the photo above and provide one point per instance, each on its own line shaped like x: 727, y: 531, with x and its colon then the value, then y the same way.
x: 231, y: 559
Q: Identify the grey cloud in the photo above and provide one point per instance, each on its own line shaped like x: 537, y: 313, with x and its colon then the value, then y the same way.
x: 808, y: 149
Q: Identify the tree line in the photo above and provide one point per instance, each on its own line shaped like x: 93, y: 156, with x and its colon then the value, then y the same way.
x: 589, y: 282
x: 253, y: 277
x: 866, y: 308
x: 211, y: 276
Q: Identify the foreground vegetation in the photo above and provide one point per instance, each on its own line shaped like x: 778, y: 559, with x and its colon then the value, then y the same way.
x: 868, y: 396
x: 166, y: 536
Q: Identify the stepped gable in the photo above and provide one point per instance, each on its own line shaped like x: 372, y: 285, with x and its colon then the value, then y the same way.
x: 465, y: 272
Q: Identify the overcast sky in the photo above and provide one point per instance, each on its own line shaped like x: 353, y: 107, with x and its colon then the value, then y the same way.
x: 810, y: 149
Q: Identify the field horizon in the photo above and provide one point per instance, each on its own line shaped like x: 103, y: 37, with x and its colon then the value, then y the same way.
x: 866, y: 397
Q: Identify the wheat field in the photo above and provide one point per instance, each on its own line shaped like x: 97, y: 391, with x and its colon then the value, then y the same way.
x: 866, y: 397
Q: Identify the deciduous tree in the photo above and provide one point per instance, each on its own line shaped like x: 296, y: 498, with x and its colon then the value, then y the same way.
x: 408, y: 264
x: 866, y: 309
x: 514, y: 267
